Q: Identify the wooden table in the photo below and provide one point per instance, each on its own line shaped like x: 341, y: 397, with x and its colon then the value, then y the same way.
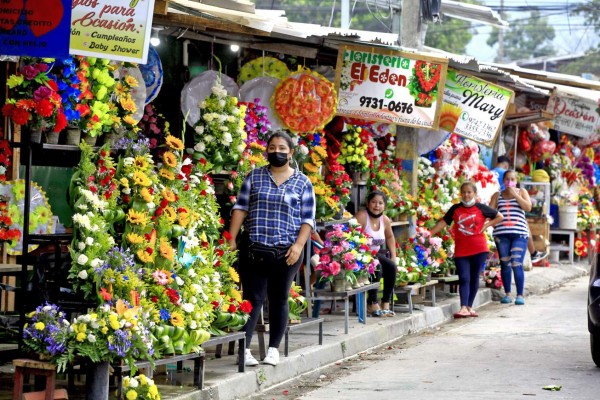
x: 415, y: 289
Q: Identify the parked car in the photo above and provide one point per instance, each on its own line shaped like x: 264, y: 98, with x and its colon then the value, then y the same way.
x: 594, y: 310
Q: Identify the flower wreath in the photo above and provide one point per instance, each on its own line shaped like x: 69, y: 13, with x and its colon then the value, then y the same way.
x: 305, y: 101
x: 263, y: 66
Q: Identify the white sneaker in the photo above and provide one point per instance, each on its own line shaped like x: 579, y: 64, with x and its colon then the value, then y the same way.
x: 249, y: 360
x: 272, y: 357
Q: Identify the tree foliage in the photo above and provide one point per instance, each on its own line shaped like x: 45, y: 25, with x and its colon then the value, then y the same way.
x: 590, y: 63
x: 526, y: 38
x: 452, y: 35
x: 591, y: 12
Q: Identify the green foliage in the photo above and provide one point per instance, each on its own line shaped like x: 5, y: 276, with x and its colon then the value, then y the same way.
x: 590, y: 63
x: 527, y: 37
x: 591, y: 11
x: 452, y: 35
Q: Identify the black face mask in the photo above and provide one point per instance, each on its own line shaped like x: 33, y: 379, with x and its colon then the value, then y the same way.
x: 372, y: 215
x: 277, y: 159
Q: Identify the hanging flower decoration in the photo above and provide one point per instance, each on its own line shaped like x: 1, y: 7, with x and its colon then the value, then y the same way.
x: 220, y: 136
x: 341, y: 183
x: 8, y: 234
x: 354, y: 150
x: 263, y: 66
x: 305, y: 101
x: 257, y: 125
x: 64, y: 73
x: 155, y: 127
x: 34, y: 97
x: 5, y: 157
x: 97, y: 84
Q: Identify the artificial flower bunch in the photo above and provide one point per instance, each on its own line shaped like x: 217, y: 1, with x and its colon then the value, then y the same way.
x: 34, y: 97
x: 346, y: 253
x: 47, y: 333
x: 257, y: 124
x: 93, y: 194
x: 297, y: 303
x: 64, y: 72
x: 122, y: 105
x: 8, y: 234
x: 220, y: 137
x: 492, y: 278
x: 566, y: 180
x: 429, y: 251
x: 353, y: 151
x: 438, y: 190
x: 581, y: 246
x: 339, y: 180
x: 588, y: 216
x: 424, y: 81
x: 386, y: 178
x: 253, y: 157
x: 97, y: 82
x: 5, y: 157
x: 140, y: 387
x: 409, y: 270
x: 155, y: 127
x: 306, y: 142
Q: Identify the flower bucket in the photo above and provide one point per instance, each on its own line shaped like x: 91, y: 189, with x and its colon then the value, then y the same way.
x: 51, y: 137
x: 567, y: 217
x: 35, y: 135
x: 90, y: 140
x: 97, y: 380
x: 73, y: 136
x: 339, y: 284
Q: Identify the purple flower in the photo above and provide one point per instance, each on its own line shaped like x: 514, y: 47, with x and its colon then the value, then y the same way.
x: 30, y: 72
x: 43, y: 92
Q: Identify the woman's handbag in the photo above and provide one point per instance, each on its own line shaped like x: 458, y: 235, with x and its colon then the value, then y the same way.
x: 384, y: 253
x: 266, y: 254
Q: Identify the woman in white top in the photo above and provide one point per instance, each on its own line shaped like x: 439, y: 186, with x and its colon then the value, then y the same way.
x: 379, y: 227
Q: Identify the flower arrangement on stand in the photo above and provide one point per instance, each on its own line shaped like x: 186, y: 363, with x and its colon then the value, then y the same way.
x: 341, y: 183
x: 353, y: 151
x: 7, y: 233
x: 253, y: 157
x: 424, y: 81
x: 257, y: 124
x: 346, y: 254
x: 588, y: 216
x: 35, y: 100
x: 219, y: 133
x: 492, y: 278
x: 140, y: 387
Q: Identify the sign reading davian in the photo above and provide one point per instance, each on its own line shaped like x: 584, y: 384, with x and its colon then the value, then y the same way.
x: 114, y: 29
x: 36, y: 28
x: 473, y: 108
x: 576, y: 116
x: 390, y: 86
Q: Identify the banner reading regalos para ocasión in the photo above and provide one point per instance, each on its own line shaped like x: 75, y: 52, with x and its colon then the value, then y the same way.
x: 390, y: 86
x: 473, y: 108
x: 114, y: 29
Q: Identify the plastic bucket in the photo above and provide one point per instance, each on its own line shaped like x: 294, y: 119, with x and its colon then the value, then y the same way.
x: 567, y: 217
x: 554, y: 256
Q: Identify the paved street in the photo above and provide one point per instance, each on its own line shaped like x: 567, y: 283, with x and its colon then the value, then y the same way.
x: 509, y: 352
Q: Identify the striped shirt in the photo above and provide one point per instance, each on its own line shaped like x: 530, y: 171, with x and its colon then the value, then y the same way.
x: 514, y: 221
x: 276, y: 213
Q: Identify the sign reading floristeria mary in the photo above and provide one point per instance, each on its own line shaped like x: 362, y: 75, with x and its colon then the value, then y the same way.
x: 113, y: 29
x: 473, y: 108
x: 390, y: 86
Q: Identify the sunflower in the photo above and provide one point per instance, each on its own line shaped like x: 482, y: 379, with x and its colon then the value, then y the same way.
x: 124, y: 182
x: 134, y: 238
x: 234, y: 275
x: 141, y: 179
x: 236, y: 295
x: 145, y: 256
x: 137, y: 218
x: 131, y: 81
x: 141, y: 162
x: 168, y: 195
x: 170, y: 213
x: 309, y: 167
x: 166, y: 250
x: 165, y: 173
x: 145, y: 193
x: 258, y: 147
x: 170, y: 159
x: 176, y: 319
x: 174, y: 143
x: 320, y: 151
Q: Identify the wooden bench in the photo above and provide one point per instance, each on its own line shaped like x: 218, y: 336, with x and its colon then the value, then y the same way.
x: 219, y: 341
x: 416, y: 289
x: 261, y: 329
x: 120, y: 369
x: 323, y: 294
x: 450, y: 280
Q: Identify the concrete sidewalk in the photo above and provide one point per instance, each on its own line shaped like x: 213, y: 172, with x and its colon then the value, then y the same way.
x: 223, y: 382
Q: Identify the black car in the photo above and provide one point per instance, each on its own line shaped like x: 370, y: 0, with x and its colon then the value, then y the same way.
x: 594, y: 310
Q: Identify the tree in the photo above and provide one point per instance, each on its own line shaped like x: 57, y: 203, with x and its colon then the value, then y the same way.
x: 526, y: 38
x: 452, y: 35
x: 591, y: 12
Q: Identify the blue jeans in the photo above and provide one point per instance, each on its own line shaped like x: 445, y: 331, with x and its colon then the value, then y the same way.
x: 468, y: 269
x: 511, y: 248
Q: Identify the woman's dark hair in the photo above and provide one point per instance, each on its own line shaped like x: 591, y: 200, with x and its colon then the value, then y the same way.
x: 284, y: 136
x: 510, y: 171
x: 374, y: 193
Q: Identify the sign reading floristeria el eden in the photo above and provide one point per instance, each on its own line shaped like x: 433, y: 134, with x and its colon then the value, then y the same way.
x: 473, y: 108
x: 114, y: 29
x: 390, y: 86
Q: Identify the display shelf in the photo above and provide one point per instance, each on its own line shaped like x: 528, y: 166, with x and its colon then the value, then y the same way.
x: 400, y: 223
x: 540, y: 204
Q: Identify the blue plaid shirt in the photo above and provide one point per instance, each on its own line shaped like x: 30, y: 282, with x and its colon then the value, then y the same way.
x: 275, y: 214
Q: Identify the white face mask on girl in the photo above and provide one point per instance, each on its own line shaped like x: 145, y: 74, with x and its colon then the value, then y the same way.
x: 468, y: 203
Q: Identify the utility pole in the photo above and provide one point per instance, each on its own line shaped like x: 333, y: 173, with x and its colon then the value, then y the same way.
x: 345, y: 14
x: 501, y: 35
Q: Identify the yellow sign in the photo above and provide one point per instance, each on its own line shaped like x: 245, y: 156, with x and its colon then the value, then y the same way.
x: 113, y: 29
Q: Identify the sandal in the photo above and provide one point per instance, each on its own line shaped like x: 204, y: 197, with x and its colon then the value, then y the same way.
x: 377, y: 314
x: 388, y: 313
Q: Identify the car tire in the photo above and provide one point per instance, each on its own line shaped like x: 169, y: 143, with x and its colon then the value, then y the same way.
x: 595, y: 348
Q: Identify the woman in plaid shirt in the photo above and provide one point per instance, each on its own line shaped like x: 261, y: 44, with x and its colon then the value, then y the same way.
x: 276, y: 205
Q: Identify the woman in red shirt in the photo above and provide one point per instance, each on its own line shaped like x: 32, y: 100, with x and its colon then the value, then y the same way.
x: 469, y: 221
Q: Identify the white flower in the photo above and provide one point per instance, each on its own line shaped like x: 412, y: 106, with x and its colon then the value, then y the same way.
x: 221, y: 103
x: 188, y: 307
x: 193, y: 300
x: 191, y: 272
x: 47, y: 308
x: 209, y: 138
x: 208, y: 117
x: 91, y: 338
x: 82, y: 274
x: 82, y: 220
x: 81, y: 246
x: 227, y: 139
x: 179, y: 281
x: 127, y: 161
x: 193, y: 325
x: 133, y: 383
x: 199, y: 129
x: 89, y: 240
x: 82, y: 260
x: 96, y: 262
x: 199, y: 147
x: 111, y: 241
x: 241, y: 147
